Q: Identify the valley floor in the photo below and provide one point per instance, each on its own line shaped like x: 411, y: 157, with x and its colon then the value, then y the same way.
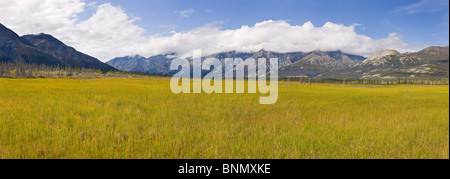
x: 142, y: 118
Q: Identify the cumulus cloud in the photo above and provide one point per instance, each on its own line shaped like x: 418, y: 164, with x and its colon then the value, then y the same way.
x: 109, y: 32
x: 105, y: 34
x: 277, y: 36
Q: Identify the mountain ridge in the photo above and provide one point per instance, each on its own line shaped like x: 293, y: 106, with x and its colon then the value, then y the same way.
x: 43, y: 49
x: 64, y: 53
x: 13, y: 49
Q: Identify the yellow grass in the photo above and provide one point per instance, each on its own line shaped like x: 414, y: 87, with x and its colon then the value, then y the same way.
x: 142, y: 118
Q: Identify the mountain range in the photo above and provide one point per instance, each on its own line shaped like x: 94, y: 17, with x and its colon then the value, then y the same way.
x: 430, y: 62
x: 46, y: 50
x: 317, y: 62
x: 43, y: 49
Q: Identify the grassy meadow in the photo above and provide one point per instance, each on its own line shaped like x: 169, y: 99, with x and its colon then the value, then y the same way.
x: 142, y: 118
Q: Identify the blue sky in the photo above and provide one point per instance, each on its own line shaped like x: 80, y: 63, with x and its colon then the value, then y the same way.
x: 417, y: 21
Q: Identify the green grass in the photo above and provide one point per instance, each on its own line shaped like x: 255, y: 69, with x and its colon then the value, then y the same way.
x: 142, y: 118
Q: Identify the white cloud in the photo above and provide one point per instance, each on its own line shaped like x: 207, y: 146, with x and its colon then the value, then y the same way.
x: 277, y: 36
x: 109, y: 32
x: 105, y: 34
x: 186, y: 13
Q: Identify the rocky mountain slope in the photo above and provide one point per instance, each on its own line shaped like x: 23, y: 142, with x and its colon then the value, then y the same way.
x: 429, y: 62
x: 319, y: 62
x: 14, y: 49
x: 67, y: 55
x: 154, y: 65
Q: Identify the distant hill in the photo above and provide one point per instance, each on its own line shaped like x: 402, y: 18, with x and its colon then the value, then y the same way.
x: 43, y: 49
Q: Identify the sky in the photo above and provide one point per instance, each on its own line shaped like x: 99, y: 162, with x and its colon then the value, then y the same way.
x: 114, y: 28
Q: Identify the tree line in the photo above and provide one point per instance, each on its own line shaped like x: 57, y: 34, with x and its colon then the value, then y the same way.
x: 26, y: 70
x: 371, y: 81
